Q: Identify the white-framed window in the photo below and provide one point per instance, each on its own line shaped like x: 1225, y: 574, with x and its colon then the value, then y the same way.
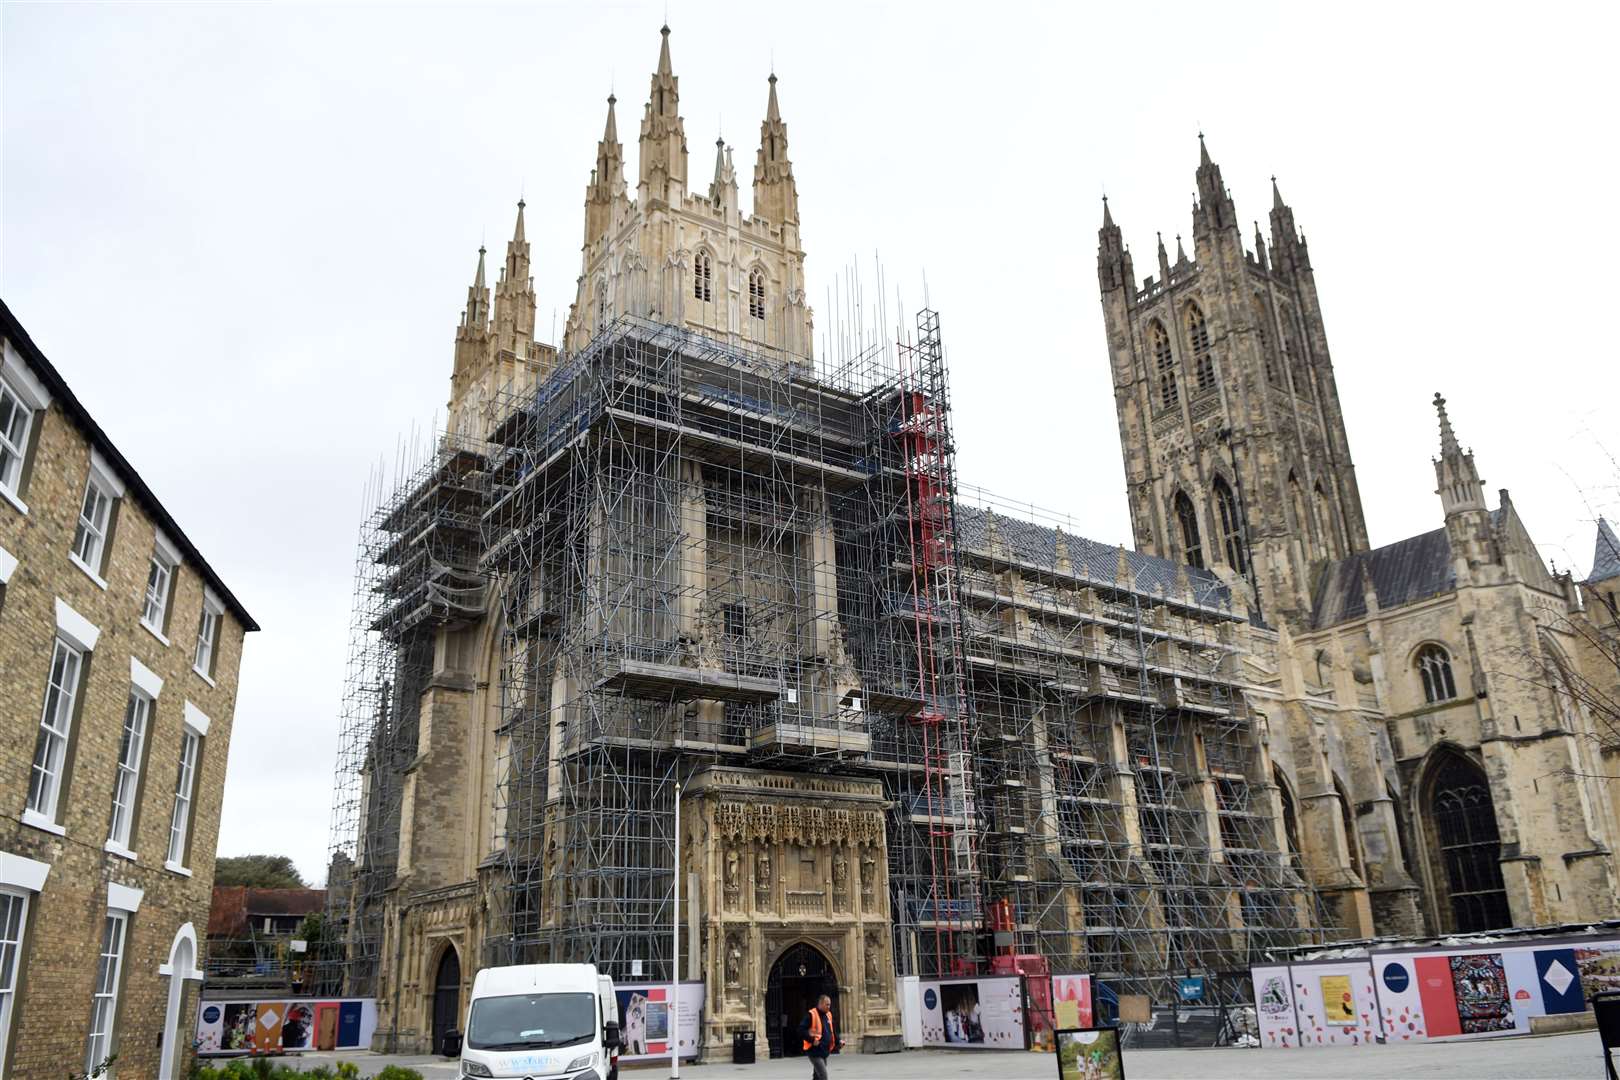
x: 202, y: 659
x: 104, y: 1004
x: 91, y: 535
x: 102, y: 489
x: 159, y: 587
x: 13, y: 922
x: 55, y: 724
x: 16, y: 418
x: 127, y: 785
x: 185, y: 782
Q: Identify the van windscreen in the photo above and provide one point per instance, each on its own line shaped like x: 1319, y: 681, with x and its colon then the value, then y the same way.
x: 531, y: 1021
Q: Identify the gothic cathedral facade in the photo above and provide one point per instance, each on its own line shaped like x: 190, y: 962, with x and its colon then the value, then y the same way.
x: 1440, y: 744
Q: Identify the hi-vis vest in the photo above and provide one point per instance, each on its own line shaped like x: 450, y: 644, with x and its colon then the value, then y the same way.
x: 815, y: 1030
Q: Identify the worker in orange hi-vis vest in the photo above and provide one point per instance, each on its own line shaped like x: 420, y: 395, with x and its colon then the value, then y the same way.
x: 819, y: 1037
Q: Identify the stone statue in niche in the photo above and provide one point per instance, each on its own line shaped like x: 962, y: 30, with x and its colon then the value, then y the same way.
x: 762, y: 879
x: 733, y: 877
x: 840, y: 875
x: 868, y: 879
x: 734, y: 959
x: 874, y: 965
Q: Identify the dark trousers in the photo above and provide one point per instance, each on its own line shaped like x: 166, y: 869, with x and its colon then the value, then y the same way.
x: 818, y: 1067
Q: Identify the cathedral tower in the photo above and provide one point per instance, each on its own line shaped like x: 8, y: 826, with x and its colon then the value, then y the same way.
x: 1235, y: 451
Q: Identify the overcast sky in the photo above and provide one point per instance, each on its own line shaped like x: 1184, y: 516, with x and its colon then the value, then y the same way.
x: 244, y: 235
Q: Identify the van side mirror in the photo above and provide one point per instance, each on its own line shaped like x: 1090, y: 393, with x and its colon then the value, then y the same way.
x: 610, y: 1036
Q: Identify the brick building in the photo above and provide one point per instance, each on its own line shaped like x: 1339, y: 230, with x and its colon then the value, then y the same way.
x: 119, y: 650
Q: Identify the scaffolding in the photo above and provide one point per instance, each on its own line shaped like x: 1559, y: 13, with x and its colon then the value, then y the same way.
x: 694, y: 551
x: 415, y: 575
x: 1128, y: 814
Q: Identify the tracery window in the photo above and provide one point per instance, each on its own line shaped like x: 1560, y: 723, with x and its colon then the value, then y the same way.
x: 702, y: 277
x: 1187, y: 517
x: 1469, y: 846
x: 756, y: 295
x: 1434, y: 667
x: 1198, y: 337
x: 1231, y: 524
x: 1164, y: 364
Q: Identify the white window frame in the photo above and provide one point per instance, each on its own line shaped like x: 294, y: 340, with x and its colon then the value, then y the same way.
x: 51, y: 741
x: 31, y: 396
x: 78, y: 635
x: 98, y: 1044
x: 89, y: 533
x: 137, y: 727
x: 192, y: 732
x: 11, y: 959
x: 208, y: 624
x: 155, y: 605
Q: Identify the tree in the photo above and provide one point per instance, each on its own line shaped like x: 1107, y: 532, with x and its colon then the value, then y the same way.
x: 258, y: 871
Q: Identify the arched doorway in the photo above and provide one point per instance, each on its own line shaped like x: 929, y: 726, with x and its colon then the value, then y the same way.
x: 800, y: 976
x: 446, y: 998
x: 1463, y: 822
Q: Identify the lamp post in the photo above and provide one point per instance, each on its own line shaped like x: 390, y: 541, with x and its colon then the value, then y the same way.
x: 675, y: 953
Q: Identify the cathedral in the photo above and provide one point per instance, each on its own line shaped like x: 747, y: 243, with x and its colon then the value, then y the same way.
x: 681, y: 622
x: 1431, y: 700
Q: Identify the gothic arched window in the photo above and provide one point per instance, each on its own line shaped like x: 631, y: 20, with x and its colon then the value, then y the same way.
x: 601, y: 303
x: 702, y: 277
x: 1434, y: 668
x: 1198, y: 338
x: 1187, y: 517
x: 1231, y: 523
x: 1296, y: 499
x: 1164, y: 365
x: 756, y: 295
x: 1467, y: 844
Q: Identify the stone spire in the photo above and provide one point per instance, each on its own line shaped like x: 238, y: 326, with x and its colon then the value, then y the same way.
x: 476, y: 315
x: 1605, y: 556
x: 723, y: 189
x: 1460, y: 488
x: 1181, y: 252
x: 1114, y: 269
x: 776, y: 196
x: 514, y: 294
x: 1215, y: 210
x: 1259, y: 247
x: 663, y: 135
x: 1164, y: 261
x: 607, y: 180
x: 1287, y: 246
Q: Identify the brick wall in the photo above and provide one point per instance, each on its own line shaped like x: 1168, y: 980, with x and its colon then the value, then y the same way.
x: 65, y: 918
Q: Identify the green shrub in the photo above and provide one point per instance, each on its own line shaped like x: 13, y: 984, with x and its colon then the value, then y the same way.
x: 396, y: 1072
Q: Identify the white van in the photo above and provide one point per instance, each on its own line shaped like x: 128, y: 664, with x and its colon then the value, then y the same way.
x: 544, y: 1021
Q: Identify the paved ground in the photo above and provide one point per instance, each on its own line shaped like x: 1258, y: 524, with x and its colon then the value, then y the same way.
x: 1553, y: 1057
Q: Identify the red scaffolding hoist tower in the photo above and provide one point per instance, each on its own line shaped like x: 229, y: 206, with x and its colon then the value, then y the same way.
x: 924, y: 432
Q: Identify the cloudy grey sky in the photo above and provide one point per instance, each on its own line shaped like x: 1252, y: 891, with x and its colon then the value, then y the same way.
x: 244, y: 235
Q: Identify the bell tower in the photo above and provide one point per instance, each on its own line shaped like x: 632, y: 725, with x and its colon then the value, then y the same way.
x: 1235, y: 452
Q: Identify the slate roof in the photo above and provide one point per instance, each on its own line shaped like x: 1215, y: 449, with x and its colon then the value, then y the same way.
x: 1402, y: 573
x: 1606, y: 556
x: 1092, y: 561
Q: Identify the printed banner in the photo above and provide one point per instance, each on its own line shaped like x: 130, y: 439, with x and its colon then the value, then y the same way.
x: 1334, y: 1002
x: 1400, y: 999
x: 1071, y: 1000
x: 1480, y: 985
x: 1274, y: 1006
x: 279, y: 1026
x: 974, y: 1014
x: 645, y: 1025
x: 1558, y: 974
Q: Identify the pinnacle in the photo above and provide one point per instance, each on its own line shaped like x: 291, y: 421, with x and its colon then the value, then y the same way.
x: 1203, y: 151
x: 664, y: 66
x: 1276, y: 196
x: 772, y: 112
x: 1448, y: 438
x: 1108, y: 217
